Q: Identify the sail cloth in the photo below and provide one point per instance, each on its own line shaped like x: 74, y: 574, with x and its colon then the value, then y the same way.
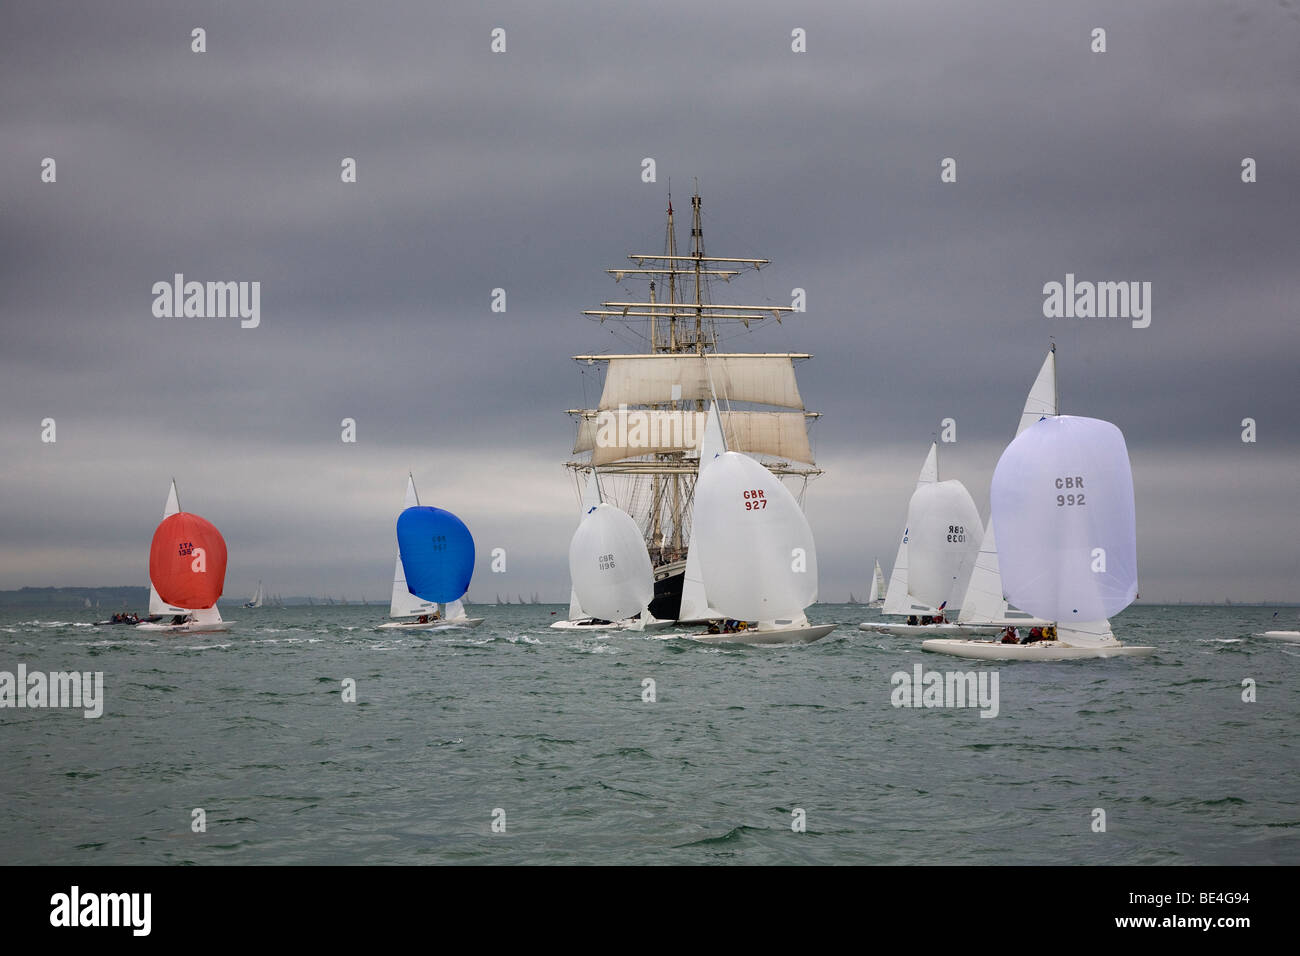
x: 897, y: 598
x: 944, y: 538
x: 610, y: 566
x: 695, y: 604
x: 157, y: 606
x: 756, y: 549
x: 437, y: 553
x: 612, y: 436
x: 404, y: 603
x: 590, y: 498
x: 1062, y: 498
x: 663, y: 378
x: 187, y: 561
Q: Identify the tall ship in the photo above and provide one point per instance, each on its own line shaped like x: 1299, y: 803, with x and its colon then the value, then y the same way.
x: 643, y: 436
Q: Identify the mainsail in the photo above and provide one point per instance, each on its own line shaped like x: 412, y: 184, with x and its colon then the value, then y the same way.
x: 984, y: 600
x: 645, y: 430
x: 404, y: 603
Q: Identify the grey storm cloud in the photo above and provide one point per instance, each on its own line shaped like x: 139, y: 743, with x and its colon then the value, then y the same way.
x: 521, y: 171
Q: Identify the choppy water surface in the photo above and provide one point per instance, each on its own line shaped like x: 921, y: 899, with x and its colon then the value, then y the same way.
x: 551, y: 728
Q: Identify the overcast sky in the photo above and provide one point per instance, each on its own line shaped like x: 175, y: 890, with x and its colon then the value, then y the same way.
x: 522, y: 170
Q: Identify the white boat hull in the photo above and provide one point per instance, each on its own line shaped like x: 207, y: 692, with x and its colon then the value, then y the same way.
x: 587, y: 625
x: 191, y: 627
x: 459, y: 623
x: 927, y: 630
x: 1038, y: 651
x: 804, y: 634
x: 1293, y: 636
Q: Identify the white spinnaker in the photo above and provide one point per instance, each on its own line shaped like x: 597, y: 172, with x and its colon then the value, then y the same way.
x: 943, y: 540
x: 1062, y: 496
x: 897, y: 599
x: 404, y: 603
x: 590, y: 498
x: 756, y: 549
x: 695, y: 604
x: 610, y: 566
x: 156, y: 604
x: 984, y: 599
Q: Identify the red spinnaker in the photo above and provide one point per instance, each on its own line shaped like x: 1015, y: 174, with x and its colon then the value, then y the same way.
x: 187, y: 561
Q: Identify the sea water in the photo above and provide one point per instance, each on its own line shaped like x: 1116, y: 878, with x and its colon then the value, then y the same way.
x: 303, y: 735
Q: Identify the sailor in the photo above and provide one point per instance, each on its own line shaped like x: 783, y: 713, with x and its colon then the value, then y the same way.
x: 424, y: 619
x: 713, y: 628
x: 1049, y: 632
x: 1010, y: 635
x: 1035, y: 635
x: 911, y: 620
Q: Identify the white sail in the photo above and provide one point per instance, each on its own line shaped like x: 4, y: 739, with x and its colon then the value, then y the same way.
x: 256, y: 599
x: 695, y: 604
x: 156, y: 604
x: 657, y: 379
x: 944, y: 535
x: 609, y: 565
x: 404, y: 603
x: 877, y: 586
x: 613, y: 436
x: 454, y: 610
x: 1062, y: 495
x: 984, y: 599
x: 756, y: 549
x: 897, y: 599
x: 590, y: 499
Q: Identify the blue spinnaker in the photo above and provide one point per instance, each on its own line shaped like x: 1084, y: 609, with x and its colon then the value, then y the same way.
x: 437, y: 553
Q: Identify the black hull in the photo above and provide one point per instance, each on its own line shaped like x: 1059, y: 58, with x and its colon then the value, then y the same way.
x: 667, y: 601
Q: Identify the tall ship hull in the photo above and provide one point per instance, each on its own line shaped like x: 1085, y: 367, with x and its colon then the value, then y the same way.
x: 643, y: 436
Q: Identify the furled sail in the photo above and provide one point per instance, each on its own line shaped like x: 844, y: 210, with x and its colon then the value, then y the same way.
x: 1062, y: 496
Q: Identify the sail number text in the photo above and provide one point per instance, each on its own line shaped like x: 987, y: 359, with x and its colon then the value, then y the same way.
x: 185, y: 547
x: 1063, y: 501
x: 754, y: 501
x: 956, y: 533
x: 606, y: 561
x: 439, y: 542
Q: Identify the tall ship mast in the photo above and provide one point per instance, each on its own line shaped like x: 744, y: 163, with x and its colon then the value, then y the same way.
x: 644, y: 434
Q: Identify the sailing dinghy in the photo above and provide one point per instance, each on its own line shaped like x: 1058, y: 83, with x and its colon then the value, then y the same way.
x: 598, y: 584
x: 187, y: 572
x: 1062, y: 499
x: 435, y: 561
x: 757, y: 561
x: 256, y: 599
x: 935, y: 556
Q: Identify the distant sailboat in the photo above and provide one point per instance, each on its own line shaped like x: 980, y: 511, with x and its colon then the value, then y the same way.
x: 877, y: 597
x: 756, y: 557
x: 256, y: 599
x: 435, y: 557
x: 936, y: 553
x: 187, y: 572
